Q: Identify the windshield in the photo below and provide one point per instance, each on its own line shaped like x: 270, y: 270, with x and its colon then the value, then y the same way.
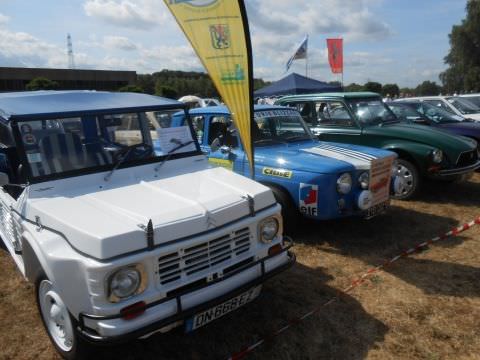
x: 437, y: 114
x: 280, y: 125
x: 474, y: 99
x: 405, y: 112
x: 372, y: 112
x: 57, y: 147
x: 463, y: 105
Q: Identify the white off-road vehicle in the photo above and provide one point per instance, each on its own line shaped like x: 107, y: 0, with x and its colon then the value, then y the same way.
x: 122, y: 240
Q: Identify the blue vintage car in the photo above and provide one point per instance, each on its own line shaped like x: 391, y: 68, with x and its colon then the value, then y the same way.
x: 316, y: 179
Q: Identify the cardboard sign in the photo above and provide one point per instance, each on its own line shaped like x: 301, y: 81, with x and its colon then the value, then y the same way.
x: 380, y: 179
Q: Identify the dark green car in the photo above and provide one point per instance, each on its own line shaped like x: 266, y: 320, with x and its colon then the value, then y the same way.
x: 362, y: 118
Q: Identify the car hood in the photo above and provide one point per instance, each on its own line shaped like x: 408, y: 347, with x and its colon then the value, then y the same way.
x: 465, y: 128
x: 111, y: 222
x: 448, y: 143
x: 318, y: 157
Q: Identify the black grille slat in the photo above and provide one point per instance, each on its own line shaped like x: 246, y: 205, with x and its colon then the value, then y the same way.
x: 200, y: 257
x: 467, y: 158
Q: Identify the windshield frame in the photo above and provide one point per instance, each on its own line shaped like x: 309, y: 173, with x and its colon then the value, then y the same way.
x: 31, y: 179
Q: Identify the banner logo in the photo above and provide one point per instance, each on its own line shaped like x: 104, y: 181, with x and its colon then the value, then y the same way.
x: 200, y: 3
x: 308, y: 196
x: 233, y: 76
x: 220, y: 35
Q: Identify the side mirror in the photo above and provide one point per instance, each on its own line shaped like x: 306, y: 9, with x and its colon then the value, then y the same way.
x: 4, y: 179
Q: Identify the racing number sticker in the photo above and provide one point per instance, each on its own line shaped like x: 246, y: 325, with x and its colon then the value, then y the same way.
x: 308, y: 199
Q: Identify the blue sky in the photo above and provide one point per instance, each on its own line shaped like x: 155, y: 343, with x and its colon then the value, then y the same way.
x: 390, y: 41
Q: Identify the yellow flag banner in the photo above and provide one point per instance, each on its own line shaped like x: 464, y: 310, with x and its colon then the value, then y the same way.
x: 218, y: 31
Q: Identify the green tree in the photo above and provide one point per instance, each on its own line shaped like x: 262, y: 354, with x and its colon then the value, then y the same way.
x: 390, y: 89
x: 165, y: 91
x: 354, y: 88
x: 41, y: 83
x: 373, y: 87
x: 146, y: 82
x: 131, y: 88
x: 463, y: 59
x: 428, y: 88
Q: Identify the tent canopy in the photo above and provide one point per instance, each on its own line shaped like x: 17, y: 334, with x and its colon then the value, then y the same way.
x: 296, y: 84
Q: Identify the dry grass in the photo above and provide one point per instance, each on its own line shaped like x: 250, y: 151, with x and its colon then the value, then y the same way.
x: 424, y: 307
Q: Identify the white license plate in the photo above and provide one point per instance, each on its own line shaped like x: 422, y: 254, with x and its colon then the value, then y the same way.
x: 377, y: 209
x: 218, y: 311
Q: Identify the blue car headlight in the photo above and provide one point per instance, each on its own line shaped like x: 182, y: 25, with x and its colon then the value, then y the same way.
x: 344, y: 184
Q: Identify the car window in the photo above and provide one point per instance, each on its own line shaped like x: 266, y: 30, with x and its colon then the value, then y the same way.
x: 306, y: 110
x: 198, y: 123
x: 223, y: 131
x: 440, y: 104
x: 333, y: 113
x: 463, y: 105
x: 372, y: 112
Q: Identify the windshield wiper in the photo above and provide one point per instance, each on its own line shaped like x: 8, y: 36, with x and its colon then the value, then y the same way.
x: 126, y: 152
x: 278, y: 141
x: 179, y: 146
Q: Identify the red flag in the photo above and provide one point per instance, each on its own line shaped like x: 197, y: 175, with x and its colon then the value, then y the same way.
x: 335, y: 55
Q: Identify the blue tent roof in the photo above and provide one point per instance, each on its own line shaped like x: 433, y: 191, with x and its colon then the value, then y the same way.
x: 296, y: 84
x: 34, y: 104
x: 223, y: 110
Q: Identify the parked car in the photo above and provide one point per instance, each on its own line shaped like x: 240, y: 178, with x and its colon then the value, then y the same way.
x: 308, y: 177
x: 194, y: 101
x: 473, y: 98
x: 122, y: 241
x: 364, y: 119
x: 417, y: 112
x: 454, y: 104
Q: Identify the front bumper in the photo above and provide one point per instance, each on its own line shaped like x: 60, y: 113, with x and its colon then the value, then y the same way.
x: 182, y: 314
x: 459, y: 171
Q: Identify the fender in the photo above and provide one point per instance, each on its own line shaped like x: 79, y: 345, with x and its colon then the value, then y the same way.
x: 33, y: 259
x: 417, y: 152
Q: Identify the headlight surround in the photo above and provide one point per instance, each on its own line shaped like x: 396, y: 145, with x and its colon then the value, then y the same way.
x: 126, y: 282
x: 364, y: 180
x: 437, y: 156
x: 344, y: 183
x: 268, y: 229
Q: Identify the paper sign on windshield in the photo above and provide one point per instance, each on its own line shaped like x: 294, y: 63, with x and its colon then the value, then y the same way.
x: 171, y: 138
x: 380, y: 178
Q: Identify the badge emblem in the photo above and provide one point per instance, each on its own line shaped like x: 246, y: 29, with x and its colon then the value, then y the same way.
x: 220, y: 35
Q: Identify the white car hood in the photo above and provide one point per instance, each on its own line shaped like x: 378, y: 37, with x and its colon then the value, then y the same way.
x: 111, y: 221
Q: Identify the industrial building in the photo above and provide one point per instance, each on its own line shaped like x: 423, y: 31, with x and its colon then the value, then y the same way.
x: 16, y: 79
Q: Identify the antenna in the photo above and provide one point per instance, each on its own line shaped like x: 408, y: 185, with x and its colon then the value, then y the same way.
x: 71, y: 58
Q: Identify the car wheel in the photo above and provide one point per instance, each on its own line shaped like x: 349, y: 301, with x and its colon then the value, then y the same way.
x: 406, y: 180
x: 289, y: 211
x: 58, y: 322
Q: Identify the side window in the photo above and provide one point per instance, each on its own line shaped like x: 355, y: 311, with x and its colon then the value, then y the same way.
x: 222, y: 130
x: 333, y: 113
x: 198, y: 123
x: 307, y: 110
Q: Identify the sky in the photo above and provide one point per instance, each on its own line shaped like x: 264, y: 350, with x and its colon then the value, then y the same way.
x: 389, y: 41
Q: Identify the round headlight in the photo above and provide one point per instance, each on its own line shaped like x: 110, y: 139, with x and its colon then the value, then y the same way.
x: 125, y: 282
x: 344, y: 183
x: 437, y: 156
x: 364, y: 180
x: 268, y: 230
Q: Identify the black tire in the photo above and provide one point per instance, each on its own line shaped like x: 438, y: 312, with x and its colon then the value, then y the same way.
x: 80, y: 349
x: 410, y: 176
x: 289, y: 211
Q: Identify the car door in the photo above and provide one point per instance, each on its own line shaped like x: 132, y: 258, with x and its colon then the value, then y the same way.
x: 336, y: 123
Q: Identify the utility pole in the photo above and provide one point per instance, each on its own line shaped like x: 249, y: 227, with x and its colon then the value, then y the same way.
x: 71, y: 58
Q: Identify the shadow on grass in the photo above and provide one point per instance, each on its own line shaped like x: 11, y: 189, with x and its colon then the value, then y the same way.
x: 386, y: 236
x: 465, y: 193
x: 341, y: 330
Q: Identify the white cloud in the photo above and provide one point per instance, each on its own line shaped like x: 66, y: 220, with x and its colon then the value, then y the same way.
x: 4, y: 19
x: 119, y: 42
x: 139, y: 14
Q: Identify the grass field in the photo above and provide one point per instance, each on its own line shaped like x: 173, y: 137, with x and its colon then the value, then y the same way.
x: 426, y: 306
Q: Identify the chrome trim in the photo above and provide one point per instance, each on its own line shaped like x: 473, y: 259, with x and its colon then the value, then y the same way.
x: 459, y: 171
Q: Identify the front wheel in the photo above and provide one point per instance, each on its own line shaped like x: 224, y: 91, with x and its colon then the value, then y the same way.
x: 58, y: 322
x: 406, y: 180
x: 289, y: 211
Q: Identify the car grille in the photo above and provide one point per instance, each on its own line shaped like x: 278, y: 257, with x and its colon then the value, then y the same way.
x: 467, y: 158
x: 202, y: 256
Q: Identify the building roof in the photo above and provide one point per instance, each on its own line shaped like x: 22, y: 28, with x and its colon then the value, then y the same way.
x: 48, y: 104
